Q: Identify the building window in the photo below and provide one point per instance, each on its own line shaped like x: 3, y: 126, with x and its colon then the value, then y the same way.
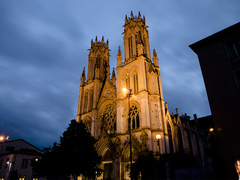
x: 233, y: 50
x: 134, y: 117
x: 86, y: 102
x: 136, y: 41
x: 109, y: 118
x: 127, y: 81
x: 144, y: 46
x: 21, y: 177
x: 87, y: 123
x: 24, y: 164
x: 130, y: 47
x: 135, y: 82
x: 91, y: 100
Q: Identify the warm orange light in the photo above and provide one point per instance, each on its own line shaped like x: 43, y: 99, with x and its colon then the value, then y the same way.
x: 125, y: 90
x: 158, y: 136
x: 211, y: 129
x: 3, y: 138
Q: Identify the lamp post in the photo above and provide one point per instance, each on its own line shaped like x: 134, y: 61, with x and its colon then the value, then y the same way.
x: 158, y: 142
x: 129, y: 92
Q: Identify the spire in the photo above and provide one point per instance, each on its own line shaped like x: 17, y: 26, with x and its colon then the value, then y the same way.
x: 113, y: 73
x: 102, y: 39
x: 155, y: 58
x: 139, y: 15
x: 96, y: 39
x: 119, y: 51
x: 113, y: 77
x: 83, y: 73
x: 166, y: 104
x: 82, y: 83
x: 119, y: 57
x: 177, y: 110
x: 131, y: 15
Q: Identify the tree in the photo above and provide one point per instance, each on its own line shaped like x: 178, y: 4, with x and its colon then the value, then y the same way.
x: 75, y: 155
x: 148, y: 167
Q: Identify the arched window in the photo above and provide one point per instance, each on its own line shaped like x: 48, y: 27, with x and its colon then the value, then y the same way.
x: 87, y: 122
x: 91, y: 100
x: 130, y: 47
x: 135, y: 82
x: 170, y: 137
x: 136, y: 42
x: 86, y: 102
x: 109, y: 118
x: 127, y: 81
x: 134, y: 117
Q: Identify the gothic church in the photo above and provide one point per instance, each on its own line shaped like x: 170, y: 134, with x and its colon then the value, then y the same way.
x: 105, y: 108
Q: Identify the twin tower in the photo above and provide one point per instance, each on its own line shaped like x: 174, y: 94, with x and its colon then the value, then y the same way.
x: 105, y: 108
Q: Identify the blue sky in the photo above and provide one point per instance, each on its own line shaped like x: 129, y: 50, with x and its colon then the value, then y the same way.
x: 43, y: 49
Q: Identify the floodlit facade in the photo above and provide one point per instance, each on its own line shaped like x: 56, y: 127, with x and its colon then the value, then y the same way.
x: 105, y: 108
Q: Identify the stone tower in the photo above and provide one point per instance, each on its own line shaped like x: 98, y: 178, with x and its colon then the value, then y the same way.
x: 105, y: 108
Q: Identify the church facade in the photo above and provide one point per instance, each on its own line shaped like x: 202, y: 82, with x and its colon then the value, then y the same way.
x: 108, y: 111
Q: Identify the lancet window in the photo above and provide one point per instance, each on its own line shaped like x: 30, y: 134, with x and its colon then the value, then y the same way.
x: 91, y: 100
x: 87, y: 123
x: 136, y: 42
x: 130, y: 46
x: 109, y: 118
x: 86, y: 102
x: 134, y: 117
x: 127, y: 81
x: 135, y: 82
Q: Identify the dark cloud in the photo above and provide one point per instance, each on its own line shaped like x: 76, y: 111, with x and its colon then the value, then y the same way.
x: 43, y: 49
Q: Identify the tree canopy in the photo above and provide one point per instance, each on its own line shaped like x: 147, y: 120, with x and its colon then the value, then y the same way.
x: 75, y: 155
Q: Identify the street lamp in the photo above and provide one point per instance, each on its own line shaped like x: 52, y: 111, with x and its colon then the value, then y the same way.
x: 128, y: 93
x: 3, y: 139
x: 158, y: 141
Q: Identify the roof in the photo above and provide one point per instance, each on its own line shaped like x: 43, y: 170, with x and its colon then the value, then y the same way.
x: 6, y: 142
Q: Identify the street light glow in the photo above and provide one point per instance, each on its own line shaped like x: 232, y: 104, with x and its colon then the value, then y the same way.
x: 4, y: 138
x: 158, y: 136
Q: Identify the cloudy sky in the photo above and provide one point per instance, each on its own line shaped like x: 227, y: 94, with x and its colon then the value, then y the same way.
x: 43, y: 49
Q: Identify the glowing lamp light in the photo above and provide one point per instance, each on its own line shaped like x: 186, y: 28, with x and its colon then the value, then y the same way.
x: 211, y: 129
x: 158, y: 136
x: 3, y: 138
x: 125, y: 90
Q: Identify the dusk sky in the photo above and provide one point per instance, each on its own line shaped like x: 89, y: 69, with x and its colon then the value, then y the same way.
x: 43, y: 49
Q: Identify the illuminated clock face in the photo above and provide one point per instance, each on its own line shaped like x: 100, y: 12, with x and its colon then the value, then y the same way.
x: 108, y: 93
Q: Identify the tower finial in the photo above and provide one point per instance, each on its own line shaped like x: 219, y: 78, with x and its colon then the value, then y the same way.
x: 131, y: 15
x: 139, y: 15
x: 83, y: 73
x: 119, y: 51
x: 177, y: 110
x: 102, y: 39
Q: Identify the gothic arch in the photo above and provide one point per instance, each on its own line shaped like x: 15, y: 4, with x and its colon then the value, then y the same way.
x: 134, y: 79
x: 126, y: 79
x: 88, y: 123
x: 107, y: 117
x: 135, y: 115
x: 85, y: 98
x: 103, y: 148
x: 136, y: 149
